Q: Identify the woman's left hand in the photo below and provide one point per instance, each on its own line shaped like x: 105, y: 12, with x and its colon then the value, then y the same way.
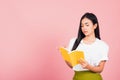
x: 83, y: 63
x: 86, y: 65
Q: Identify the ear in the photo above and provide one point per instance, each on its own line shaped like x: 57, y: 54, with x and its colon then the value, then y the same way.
x: 95, y: 26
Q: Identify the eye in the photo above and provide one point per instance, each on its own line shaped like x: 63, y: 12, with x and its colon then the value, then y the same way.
x: 87, y: 24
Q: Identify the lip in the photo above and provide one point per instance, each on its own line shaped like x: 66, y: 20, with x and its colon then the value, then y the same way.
x: 85, y: 31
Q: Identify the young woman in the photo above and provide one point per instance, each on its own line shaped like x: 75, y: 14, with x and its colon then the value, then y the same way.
x: 95, y: 50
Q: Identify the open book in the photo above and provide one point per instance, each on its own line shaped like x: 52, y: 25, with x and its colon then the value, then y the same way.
x: 72, y: 57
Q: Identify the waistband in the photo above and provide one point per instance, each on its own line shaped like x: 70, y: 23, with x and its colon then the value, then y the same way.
x: 86, y: 72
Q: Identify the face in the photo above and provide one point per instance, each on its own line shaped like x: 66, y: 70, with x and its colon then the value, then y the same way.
x: 87, y: 27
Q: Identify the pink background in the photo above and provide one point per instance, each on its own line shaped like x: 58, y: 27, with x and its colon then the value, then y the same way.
x: 31, y: 31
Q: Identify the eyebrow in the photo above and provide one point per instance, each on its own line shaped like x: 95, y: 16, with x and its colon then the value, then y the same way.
x: 85, y: 23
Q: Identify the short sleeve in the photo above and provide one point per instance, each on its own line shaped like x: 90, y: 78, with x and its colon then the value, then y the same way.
x: 105, y: 52
x: 71, y: 43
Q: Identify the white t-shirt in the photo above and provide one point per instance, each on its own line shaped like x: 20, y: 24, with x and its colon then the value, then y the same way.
x: 94, y: 53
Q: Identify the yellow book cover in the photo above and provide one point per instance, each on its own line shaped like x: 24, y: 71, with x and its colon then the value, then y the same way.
x: 72, y: 56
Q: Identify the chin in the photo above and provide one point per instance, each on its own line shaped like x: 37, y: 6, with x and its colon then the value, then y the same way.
x: 86, y: 34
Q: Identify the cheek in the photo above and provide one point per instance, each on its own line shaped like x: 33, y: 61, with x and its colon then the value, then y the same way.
x: 81, y: 28
x: 92, y: 30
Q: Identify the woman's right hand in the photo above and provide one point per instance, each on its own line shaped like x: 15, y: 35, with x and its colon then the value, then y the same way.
x: 69, y: 64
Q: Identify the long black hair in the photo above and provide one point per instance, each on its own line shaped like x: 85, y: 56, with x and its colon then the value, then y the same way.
x: 80, y: 36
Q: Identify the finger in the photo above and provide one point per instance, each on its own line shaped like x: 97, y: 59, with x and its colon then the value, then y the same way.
x: 82, y: 60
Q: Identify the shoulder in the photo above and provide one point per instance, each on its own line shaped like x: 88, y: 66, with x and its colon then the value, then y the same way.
x: 72, y: 40
x: 102, y: 43
x: 71, y: 43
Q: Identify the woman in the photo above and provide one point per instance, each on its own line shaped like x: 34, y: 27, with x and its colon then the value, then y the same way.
x: 95, y: 50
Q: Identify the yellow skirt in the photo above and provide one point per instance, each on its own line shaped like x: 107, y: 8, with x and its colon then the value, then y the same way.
x: 86, y: 75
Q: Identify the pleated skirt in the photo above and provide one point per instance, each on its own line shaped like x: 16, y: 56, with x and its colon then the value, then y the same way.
x: 86, y: 75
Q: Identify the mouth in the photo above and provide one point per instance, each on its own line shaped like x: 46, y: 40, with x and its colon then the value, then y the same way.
x: 85, y: 32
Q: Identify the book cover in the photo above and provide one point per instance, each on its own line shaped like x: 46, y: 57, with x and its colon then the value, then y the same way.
x: 72, y: 56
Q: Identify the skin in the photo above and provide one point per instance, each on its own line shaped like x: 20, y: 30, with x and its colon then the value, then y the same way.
x: 88, y: 30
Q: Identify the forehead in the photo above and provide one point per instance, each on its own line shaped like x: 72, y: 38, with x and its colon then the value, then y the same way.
x: 86, y: 21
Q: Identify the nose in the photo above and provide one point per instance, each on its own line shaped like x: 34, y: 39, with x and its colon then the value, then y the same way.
x: 84, y: 27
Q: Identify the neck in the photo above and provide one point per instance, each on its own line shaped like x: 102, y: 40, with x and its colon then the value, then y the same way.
x: 89, y: 39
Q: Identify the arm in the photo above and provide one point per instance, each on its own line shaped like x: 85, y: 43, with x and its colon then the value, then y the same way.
x: 98, y: 68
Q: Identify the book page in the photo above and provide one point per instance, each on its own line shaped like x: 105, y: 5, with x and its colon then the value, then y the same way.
x: 75, y: 56
x: 65, y: 54
x: 72, y: 57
